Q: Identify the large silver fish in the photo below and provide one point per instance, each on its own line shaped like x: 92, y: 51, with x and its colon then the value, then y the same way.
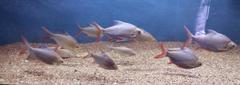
x: 64, y: 40
x: 213, y: 40
x: 44, y: 54
x: 182, y: 57
x: 120, y: 31
x: 104, y: 61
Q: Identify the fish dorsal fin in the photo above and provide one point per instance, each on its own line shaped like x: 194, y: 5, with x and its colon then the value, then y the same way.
x: 91, y: 25
x: 117, y: 22
x: 211, y: 31
x: 65, y: 33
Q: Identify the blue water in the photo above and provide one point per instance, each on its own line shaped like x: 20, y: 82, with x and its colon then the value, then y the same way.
x: 163, y: 18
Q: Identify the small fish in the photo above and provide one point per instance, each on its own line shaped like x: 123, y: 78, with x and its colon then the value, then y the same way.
x: 182, y: 57
x: 64, y: 40
x: 123, y: 50
x: 91, y: 31
x: 64, y: 53
x: 120, y: 30
x: 145, y: 36
x: 104, y: 61
x: 213, y: 41
x: 43, y: 53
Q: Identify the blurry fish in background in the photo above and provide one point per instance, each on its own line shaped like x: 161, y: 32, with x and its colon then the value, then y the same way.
x: 182, y: 57
x: 104, y: 61
x: 120, y: 31
x: 43, y: 53
x: 64, y: 53
x: 213, y: 40
x: 123, y: 50
x: 64, y: 40
x: 91, y: 31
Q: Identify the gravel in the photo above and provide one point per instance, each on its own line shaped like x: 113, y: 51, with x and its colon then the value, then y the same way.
x: 221, y: 68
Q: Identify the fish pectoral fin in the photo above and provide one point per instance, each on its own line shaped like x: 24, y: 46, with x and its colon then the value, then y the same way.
x: 170, y: 62
x: 222, y: 49
x: 30, y: 57
x: 22, y: 51
x: 159, y: 56
x: 163, y: 53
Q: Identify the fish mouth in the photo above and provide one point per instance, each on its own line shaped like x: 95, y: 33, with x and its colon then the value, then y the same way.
x: 231, y: 45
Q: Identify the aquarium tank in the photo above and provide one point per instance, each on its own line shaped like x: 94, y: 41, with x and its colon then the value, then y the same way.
x: 119, y: 42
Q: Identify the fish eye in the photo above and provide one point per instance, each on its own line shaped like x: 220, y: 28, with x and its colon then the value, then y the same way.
x: 231, y: 45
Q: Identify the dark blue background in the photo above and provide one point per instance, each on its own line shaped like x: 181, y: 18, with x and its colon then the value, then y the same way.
x: 163, y: 18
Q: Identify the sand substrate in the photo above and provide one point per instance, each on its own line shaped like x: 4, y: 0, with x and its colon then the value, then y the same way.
x: 218, y: 68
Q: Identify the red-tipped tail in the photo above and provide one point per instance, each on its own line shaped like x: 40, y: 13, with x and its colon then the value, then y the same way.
x: 99, y: 31
x: 164, y: 52
x: 189, y: 40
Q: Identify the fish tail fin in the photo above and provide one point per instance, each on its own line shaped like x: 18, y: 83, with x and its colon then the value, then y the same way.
x: 26, y: 43
x: 163, y: 53
x: 99, y: 31
x: 80, y: 30
x: 189, y: 40
x: 48, y: 35
x: 189, y: 34
x: 45, y: 29
x: 24, y: 40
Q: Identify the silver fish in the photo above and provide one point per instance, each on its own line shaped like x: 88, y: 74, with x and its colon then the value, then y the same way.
x: 64, y: 53
x: 123, y: 50
x: 120, y: 30
x: 44, y: 53
x: 104, y: 61
x: 91, y: 31
x: 182, y: 57
x: 213, y: 40
x: 66, y: 41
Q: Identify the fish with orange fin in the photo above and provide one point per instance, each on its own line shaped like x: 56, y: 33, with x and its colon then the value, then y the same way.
x: 212, y: 40
x: 64, y: 40
x: 104, y: 61
x: 91, y: 31
x: 43, y: 53
x: 182, y: 57
x: 120, y: 31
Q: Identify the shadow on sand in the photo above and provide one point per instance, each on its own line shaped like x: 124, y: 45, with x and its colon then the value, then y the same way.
x: 181, y: 74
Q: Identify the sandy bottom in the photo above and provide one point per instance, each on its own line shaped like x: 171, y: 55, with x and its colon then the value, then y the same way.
x: 218, y: 68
